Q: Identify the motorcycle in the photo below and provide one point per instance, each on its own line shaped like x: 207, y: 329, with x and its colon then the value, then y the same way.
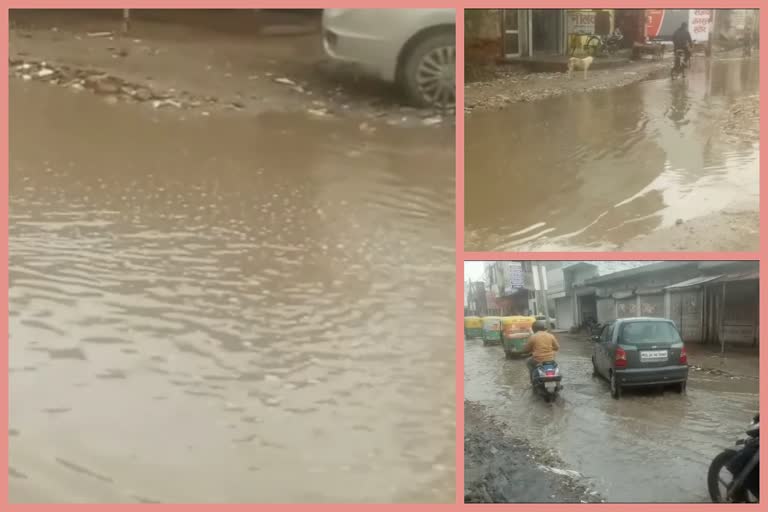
x: 743, y: 465
x: 593, y: 327
x: 613, y: 42
x: 545, y: 379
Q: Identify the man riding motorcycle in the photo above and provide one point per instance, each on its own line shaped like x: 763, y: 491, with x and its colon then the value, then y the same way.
x: 682, y: 40
x: 541, y: 345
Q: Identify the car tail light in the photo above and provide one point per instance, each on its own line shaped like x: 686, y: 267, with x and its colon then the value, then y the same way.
x: 683, y: 356
x: 621, y: 358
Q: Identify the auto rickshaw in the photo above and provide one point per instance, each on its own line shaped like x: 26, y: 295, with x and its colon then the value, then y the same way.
x: 515, y: 333
x: 473, y: 327
x: 491, y: 330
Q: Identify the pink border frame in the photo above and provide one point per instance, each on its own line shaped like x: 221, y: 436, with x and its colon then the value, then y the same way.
x: 461, y: 255
x: 468, y: 255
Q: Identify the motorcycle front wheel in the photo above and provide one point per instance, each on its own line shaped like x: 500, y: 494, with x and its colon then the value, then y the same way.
x: 718, y: 488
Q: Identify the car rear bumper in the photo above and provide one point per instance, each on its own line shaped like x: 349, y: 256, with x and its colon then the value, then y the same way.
x: 652, y: 376
x: 352, y: 36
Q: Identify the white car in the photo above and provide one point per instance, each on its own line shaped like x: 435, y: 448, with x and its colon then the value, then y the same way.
x: 413, y: 48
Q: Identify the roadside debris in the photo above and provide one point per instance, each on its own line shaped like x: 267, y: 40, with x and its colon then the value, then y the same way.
x: 285, y: 81
x: 166, y: 102
x: 501, y: 469
x: 509, y: 85
x: 103, y: 84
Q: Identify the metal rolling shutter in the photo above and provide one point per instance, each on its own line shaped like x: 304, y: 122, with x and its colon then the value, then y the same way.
x: 606, y: 310
x: 652, y: 305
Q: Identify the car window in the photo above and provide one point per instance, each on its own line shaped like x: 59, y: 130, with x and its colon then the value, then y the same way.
x: 605, y: 336
x: 646, y: 333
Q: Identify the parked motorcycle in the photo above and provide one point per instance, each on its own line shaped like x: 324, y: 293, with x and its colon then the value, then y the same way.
x: 741, y: 467
x: 593, y: 327
x: 545, y: 379
x: 613, y: 42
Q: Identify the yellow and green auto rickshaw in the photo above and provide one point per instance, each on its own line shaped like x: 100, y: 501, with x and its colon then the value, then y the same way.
x: 515, y: 333
x: 491, y: 330
x: 473, y: 327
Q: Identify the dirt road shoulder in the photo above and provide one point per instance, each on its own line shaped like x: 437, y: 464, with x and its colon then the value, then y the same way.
x: 513, y: 85
x: 501, y: 469
x: 182, y: 67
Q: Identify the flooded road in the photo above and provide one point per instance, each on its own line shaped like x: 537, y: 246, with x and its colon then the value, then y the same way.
x: 604, y: 170
x: 232, y: 309
x: 650, y: 446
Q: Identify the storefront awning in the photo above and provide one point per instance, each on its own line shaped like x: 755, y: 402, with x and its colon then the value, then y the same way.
x: 587, y: 290
x: 650, y: 291
x: 689, y: 283
x: 623, y: 294
x: 744, y: 276
x: 602, y: 293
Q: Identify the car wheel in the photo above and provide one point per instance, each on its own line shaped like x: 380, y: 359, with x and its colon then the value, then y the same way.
x: 429, y: 71
x: 615, y: 387
x: 682, y: 387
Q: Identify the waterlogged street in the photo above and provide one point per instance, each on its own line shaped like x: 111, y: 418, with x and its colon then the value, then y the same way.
x: 650, y: 446
x: 231, y: 308
x: 656, y: 165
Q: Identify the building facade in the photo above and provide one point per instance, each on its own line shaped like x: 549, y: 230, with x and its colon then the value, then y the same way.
x: 710, y: 302
x: 526, y: 33
x: 476, y: 298
x: 523, y: 34
x: 511, y: 283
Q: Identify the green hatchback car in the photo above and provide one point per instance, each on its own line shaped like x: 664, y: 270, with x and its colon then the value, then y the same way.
x: 640, y: 352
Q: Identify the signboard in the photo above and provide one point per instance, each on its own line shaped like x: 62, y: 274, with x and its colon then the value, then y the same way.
x: 515, y: 275
x: 661, y: 24
x: 738, y: 18
x: 581, y: 22
x: 699, y: 24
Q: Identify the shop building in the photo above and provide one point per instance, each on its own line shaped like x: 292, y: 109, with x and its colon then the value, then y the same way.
x: 710, y: 302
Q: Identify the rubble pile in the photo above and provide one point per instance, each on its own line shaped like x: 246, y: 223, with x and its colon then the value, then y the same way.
x: 113, y: 88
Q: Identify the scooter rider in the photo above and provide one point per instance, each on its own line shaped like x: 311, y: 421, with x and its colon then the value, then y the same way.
x: 541, y: 345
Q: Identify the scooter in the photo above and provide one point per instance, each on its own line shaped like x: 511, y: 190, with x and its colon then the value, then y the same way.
x: 545, y: 379
x: 743, y: 464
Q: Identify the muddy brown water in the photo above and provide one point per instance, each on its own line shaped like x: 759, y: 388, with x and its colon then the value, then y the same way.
x: 595, y: 171
x: 650, y: 446
x: 232, y: 309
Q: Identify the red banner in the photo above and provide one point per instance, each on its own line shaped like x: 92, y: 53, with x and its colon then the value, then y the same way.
x: 654, y: 20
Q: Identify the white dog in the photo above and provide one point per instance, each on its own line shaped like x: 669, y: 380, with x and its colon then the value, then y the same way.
x: 574, y: 63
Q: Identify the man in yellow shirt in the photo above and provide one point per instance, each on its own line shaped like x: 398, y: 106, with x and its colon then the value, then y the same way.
x: 541, y: 345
